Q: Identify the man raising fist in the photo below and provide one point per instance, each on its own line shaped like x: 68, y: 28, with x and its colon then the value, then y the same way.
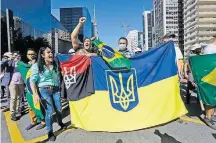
x: 81, y: 50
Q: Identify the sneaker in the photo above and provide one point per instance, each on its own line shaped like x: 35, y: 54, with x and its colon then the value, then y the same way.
x: 51, y: 136
x: 210, y: 123
x: 13, y: 117
x: 63, y: 126
x: 41, y: 126
x: 213, y: 118
x: 18, y: 114
x: 31, y: 126
x: 5, y: 109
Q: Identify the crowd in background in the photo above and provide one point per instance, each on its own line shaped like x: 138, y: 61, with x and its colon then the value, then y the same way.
x: 46, y: 78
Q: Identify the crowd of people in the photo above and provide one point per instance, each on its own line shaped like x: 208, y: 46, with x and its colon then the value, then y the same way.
x: 46, y: 76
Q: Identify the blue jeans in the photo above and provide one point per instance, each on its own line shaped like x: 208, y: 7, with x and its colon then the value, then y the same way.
x: 50, y: 100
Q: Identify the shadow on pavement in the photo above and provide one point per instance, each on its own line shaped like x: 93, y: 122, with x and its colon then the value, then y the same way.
x: 165, y: 138
x: 214, y: 135
x: 59, y: 132
x: 119, y: 141
x: 194, y: 109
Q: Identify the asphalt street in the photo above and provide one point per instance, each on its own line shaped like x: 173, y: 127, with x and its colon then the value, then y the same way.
x: 187, y: 129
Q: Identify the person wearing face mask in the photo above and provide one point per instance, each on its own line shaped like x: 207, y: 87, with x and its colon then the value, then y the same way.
x: 123, y: 42
x: 7, y: 69
x: 85, y: 49
x: 16, y: 88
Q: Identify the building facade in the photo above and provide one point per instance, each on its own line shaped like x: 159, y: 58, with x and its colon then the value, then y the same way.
x: 147, y: 29
x: 26, y: 29
x: 153, y: 28
x: 69, y: 17
x: 37, y: 23
x: 141, y: 40
x: 132, y: 40
x: 199, y: 22
x: 168, y: 19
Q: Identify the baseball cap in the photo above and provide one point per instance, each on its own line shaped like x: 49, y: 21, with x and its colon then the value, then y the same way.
x: 169, y: 35
x: 71, y: 51
x: 196, y: 46
x: 8, y: 54
x: 137, y: 50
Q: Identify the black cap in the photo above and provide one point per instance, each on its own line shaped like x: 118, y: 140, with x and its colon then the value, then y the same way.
x: 169, y: 35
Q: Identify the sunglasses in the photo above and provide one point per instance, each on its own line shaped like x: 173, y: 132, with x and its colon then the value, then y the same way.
x: 122, y: 43
x: 31, y: 54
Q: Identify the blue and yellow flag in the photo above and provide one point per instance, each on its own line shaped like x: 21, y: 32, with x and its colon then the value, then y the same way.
x: 146, y: 95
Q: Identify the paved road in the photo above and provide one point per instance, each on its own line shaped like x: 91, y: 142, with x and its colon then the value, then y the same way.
x: 188, y: 129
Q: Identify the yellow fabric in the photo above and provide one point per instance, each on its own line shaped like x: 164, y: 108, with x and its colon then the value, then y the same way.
x: 159, y: 103
x: 32, y: 116
x: 210, y: 78
x: 36, y: 103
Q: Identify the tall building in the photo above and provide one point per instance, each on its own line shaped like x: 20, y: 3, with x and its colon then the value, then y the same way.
x: 147, y: 29
x: 153, y: 28
x: 167, y: 15
x: 199, y: 21
x: 132, y: 40
x: 26, y: 29
x: 141, y: 40
x: 181, y: 24
x: 94, y: 23
x: 37, y: 24
x: 69, y: 17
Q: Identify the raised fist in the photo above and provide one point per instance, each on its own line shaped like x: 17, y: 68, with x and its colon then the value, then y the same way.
x: 93, y: 38
x: 82, y: 20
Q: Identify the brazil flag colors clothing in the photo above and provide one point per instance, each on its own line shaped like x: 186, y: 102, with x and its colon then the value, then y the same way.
x: 204, y: 72
x: 25, y: 70
x: 146, y: 95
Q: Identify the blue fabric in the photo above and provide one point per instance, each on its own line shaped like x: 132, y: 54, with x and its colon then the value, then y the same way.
x: 51, y: 100
x: 63, y: 57
x: 150, y: 66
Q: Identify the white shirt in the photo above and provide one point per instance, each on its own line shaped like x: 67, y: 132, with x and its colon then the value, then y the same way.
x: 178, y: 53
x: 210, y: 49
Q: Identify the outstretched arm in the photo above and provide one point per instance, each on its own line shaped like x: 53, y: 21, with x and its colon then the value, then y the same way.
x: 74, y: 34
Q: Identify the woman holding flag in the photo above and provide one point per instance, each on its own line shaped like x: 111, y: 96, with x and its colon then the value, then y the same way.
x: 46, y: 75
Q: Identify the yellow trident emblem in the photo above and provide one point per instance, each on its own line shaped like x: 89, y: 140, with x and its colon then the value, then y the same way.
x: 124, y: 98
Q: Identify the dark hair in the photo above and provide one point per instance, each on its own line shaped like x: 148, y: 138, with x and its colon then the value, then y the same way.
x: 31, y: 49
x: 41, y: 61
x: 16, y: 52
x: 86, y: 39
x: 123, y: 38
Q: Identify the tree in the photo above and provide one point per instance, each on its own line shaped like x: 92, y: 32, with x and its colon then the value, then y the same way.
x: 21, y: 43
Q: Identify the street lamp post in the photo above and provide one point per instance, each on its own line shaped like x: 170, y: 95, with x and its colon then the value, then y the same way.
x: 125, y: 26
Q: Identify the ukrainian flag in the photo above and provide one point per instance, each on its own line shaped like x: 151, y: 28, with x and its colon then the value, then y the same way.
x: 146, y: 95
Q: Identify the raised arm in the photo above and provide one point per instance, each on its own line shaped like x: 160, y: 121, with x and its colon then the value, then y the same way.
x: 74, y: 34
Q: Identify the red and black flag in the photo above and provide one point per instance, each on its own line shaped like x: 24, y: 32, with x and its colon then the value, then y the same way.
x: 77, y: 75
